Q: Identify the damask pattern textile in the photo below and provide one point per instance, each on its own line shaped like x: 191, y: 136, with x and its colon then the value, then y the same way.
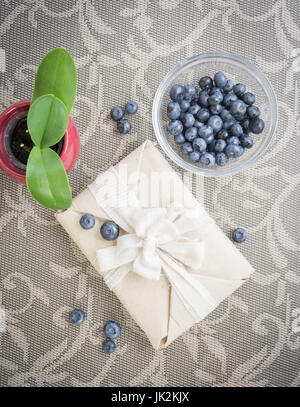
x: 122, y: 49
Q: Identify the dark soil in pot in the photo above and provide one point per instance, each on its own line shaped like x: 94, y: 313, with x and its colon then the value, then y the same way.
x: 20, y: 143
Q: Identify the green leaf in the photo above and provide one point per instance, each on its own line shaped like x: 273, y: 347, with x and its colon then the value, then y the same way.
x: 57, y: 75
x: 47, y: 180
x: 47, y: 121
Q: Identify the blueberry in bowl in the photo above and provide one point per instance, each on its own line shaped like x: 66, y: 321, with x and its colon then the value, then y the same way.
x: 221, y: 96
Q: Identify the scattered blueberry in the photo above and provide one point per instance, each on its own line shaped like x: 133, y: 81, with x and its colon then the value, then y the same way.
x: 186, y: 148
x: 236, y: 130
x: 203, y: 115
x: 117, y: 113
x: 87, y: 221
x: 198, y: 124
x: 215, y: 98
x: 173, y: 110
x: 257, y: 125
x: 233, y: 140
x: 223, y: 134
x: 207, y: 159
x: 124, y: 126
x: 229, y: 98
x: 199, y: 144
x: 177, y: 93
x: 226, y: 115
x: 203, y: 98
x: 220, y: 79
x: 190, y: 92
x: 239, y: 89
x: 221, y: 159
x: 246, y: 124
x: 108, y: 346
x: 205, y: 82
x: 205, y: 131
x: 175, y: 127
x: 131, y: 107
x: 194, y: 156
x: 112, y: 330
x: 179, y: 138
x: 110, y: 230
x: 248, y: 98
x: 228, y: 124
x: 77, y: 316
x: 239, y: 235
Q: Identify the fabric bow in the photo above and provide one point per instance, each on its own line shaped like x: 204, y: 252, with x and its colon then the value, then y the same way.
x: 157, y: 240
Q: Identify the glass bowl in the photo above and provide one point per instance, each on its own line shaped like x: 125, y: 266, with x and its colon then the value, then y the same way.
x: 240, y: 70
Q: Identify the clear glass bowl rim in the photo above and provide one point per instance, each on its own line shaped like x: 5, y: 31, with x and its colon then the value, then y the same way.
x: 213, y: 56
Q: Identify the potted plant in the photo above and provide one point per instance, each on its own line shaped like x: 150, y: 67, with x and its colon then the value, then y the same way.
x: 39, y: 142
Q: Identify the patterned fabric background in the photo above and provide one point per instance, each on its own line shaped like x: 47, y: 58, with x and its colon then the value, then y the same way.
x: 122, y: 49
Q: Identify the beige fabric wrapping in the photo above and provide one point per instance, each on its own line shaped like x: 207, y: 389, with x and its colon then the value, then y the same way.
x: 153, y: 304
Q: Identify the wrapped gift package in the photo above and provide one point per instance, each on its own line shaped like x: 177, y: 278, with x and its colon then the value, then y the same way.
x: 171, y: 264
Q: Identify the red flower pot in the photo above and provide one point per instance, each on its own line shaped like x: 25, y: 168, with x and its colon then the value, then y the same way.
x: 9, y: 164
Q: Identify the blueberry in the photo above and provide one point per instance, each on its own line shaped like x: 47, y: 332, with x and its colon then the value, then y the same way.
x: 77, y: 316
x: 236, y: 130
x: 223, y: 134
x: 203, y: 115
x: 233, y: 140
x: 207, y: 159
x: 240, y: 151
x: 179, y: 138
x: 238, y: 107
x: 239, y: 89
x: 221, y: 159
x: 194, y: 102
x: 220, y: 145
x: 210, y: 139
x: 246, y: 124
x: 253, y: 112
x: 205, y: 82
x: 239, y: 235
x: 124, y: 126
x: 232, y: 150
x: 215, y: 98
x: 131, y: 107
x: 205, y: 131
x: 188, y: 119
x: 191, y: 133
x: 216, y: 109
x: 116, y: 113
x: 87, y: 221
x: 184, y: 106
x: 257, y: 125
x: 229, y: 98
x: 213, y: 90
x: 248, y: 98
x: 186, y: 148
x: 240, y: 116
x: 246, y: 141
x: 173, y: 110
x: 112, y: 330
x: 190, y: 92
x: 228, y: 124
x: 226, y: 115
x: 177, y: 93
x: 220, y: 79
x: 108, y: 346
x: 215, y: 122
x: 194, y: 109
x: 203, y: 98
x: 175, y: 127
x: 199, y: 144
x: 194, y: 156
x: 110, y: 230
x: 228, y: 86
x: 198, y: 124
